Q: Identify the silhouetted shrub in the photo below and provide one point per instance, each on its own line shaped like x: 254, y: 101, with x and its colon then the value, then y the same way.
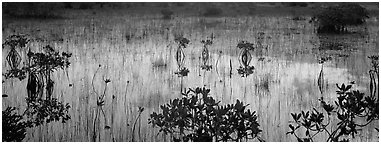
x: 38, y: 71
x: 300, y: 4
x: 167, y: 14
x: 212, y: 11
x: 336, y: 19
x: 197, y: 117
x: 180, y: 4
x: 68, y: 5
x: 86, y: 5
x: 14, y: 128
x: 163, y: 4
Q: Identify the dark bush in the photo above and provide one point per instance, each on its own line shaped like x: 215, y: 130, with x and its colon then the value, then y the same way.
x: 33, y: 9
x: 163, y: 4
x: 14, y: 128
x: 212, y: 11
x: 197, y: 117
x: 252, y: 10
x: 86, y: 5
x: 295, y: 4
x: 180, y: 4
x: 68, y: 5
x: 167, y: 14
x: 336, y: 19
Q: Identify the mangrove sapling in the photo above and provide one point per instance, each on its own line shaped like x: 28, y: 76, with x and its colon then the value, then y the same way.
x: 245, y: 58
x: 38, y: 70
x: 180, y: 56
x: 205, y: 53
x: 350, y: 107
x: 99, y: 110
x: 198, y: 117
x: 373, y: 76
x: 15, y: 41
x: 14, y: 127
x: 218, y: 59
x: 321, y: 74
x: 140, y: 111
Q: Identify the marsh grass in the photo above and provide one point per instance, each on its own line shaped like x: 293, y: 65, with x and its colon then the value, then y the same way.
x: 127, y: 62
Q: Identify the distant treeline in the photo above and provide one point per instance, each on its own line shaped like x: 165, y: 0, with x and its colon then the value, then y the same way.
x: 54, y: 9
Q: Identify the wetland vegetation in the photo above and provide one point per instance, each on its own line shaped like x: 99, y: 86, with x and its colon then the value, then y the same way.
x: 125, y: 72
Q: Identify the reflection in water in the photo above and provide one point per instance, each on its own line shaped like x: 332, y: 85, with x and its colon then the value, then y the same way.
x: 205, y: 53
x: 285, y: 80
x: 180, y: 56
x: 245, y: 58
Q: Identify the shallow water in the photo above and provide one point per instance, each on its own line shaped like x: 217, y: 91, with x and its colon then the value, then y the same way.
x: 284, y: 81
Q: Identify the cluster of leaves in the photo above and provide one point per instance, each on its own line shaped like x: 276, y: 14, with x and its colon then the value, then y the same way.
x: 198, y: 117
x: 182, y: 41
x: 19, y: 40
x: 206, y: 67
x: 42, y: 111
x: 39, y: 68
x: 335, y: 19
x: 207, y: 42
x: 245, y: 45
x: 38, y: 113
x: 350, y: 106
x: 205, y: 53
x: 324, y: 59
x: 41, y: 63
x: 245, y: 71
x: 182, y: 72
x: 14, y: 128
